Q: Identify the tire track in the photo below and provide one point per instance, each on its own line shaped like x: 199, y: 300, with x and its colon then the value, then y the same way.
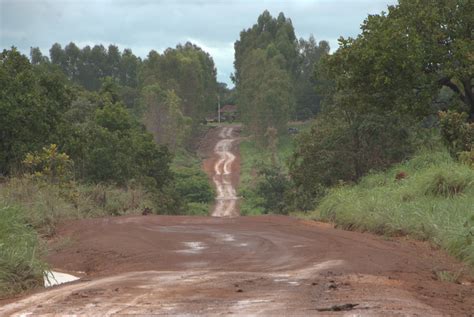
x: 226, y: 199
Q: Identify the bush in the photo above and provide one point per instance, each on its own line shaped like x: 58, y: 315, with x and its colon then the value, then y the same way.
x: 336, y: 150
x: 272, y: 186
x: 456, y: 131
x: 435, y: 201
x: 20, y: 253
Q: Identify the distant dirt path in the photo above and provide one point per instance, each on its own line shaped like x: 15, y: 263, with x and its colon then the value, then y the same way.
x: 223, y: 168
x: 268, y: 265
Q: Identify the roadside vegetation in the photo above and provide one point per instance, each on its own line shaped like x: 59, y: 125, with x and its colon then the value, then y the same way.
x: 390, y: 148
x: 429, y: 197
x: 264, y: 181
x: 90, y: 132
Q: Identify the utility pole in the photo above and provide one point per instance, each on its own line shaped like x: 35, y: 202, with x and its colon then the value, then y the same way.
x: 218, y: 108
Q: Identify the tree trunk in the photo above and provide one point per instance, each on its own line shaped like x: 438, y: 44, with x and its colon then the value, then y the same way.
x: 469, y: 97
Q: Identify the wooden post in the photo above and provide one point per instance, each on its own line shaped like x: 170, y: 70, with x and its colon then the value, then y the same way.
x: 219, y: 108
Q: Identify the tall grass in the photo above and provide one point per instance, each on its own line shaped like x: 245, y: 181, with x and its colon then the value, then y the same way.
x: 20, y: 253
x: 432, y: 199
x: 44, y: 205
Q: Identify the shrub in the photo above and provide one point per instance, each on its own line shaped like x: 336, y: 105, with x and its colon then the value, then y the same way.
x: 456, y: 131
x: 337, y: 150
x: 272, y: 186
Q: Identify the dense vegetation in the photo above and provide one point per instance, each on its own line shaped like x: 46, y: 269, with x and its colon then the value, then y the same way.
x: 373, y: 158
x: 273, y: 75
x: 93, y: 132
x: 431, y: 199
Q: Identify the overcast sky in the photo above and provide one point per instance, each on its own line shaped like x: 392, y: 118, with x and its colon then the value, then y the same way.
x: 143, y: 25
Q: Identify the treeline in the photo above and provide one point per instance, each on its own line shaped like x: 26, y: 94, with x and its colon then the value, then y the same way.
x: 273, y: 74
x: 94, y: 132
x: 119, y: 120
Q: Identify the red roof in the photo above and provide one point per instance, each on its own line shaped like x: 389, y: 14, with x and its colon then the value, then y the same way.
x: 229, y: 108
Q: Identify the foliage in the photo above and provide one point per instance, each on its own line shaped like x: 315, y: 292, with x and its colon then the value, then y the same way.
x: 164, y: 118
x: 307, y: 98
x: 49, y: 164
x: 428, y: 204
x: 259, y: 169
x: 456, y: 131
x: 20, y: 253
x: 189, y: 72
x: 272, y: 186
x: 265, y: 67
x: 264, y: 94
x: 337, y: 151
x: 31, y: 107
x: 402, y: 58
x: 88, y: 66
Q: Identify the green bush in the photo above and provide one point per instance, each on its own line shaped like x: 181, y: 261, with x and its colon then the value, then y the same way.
x: 272, y: 186
x: 20, y: 253
x: 458, y: 134
x: 338, y: 150
x: 434, y: 201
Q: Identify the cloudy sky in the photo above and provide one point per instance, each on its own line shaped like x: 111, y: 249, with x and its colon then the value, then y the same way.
x: 143, y: 25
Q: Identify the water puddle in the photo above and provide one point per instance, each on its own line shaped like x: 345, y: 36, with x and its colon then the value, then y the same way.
x: 53, y: 278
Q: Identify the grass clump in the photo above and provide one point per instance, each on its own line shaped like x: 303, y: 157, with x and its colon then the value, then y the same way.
x: 20, y: 253
x: 433, y: 201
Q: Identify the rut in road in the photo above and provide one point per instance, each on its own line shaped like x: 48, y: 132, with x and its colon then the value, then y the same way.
x: 226, y: 195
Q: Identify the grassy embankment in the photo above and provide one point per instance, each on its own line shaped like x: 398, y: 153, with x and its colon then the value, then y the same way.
x: 252, y: 157
x: 432, y: 200
x: 30, y: 210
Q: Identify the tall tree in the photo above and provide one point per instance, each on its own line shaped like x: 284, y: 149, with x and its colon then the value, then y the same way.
x: 401, y: 59
x: 31, y: 108
x: 307, y: 99
x: 266, y: 58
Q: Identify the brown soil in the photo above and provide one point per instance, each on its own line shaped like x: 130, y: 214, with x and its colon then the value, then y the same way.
x: 268, y: 265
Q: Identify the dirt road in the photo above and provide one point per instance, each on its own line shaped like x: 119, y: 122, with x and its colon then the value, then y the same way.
x: 222, y: 166
x: 268, y: 265
x: 226, y: 194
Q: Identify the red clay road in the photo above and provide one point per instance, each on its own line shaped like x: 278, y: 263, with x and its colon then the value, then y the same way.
x: 265, y: 265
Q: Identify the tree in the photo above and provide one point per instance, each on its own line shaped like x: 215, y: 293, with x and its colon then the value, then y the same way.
x: 31, y: 107
x: 265, y: 71
x: 264, y: 94
x: 190, y: 73
x: 307, y: 98
x: 164, y: 118
x: 37, y: 57
x: 402, y: 58
x: 337, y: 150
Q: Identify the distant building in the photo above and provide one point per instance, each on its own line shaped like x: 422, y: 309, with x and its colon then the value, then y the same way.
x: 229, y: 113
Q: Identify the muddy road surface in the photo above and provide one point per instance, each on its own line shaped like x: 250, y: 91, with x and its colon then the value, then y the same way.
x: 227, y: 265
x: 222, y: 166
x: 265, y: 265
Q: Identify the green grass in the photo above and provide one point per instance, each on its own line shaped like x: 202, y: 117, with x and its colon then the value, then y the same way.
x: 20, y: 253
x: 434, y: 202
x: 45, y: 205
